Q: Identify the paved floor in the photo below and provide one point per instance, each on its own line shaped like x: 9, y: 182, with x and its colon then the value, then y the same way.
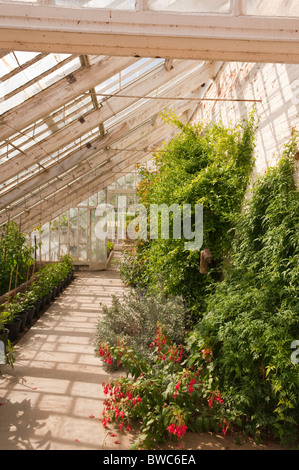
x: 55, y: 386
x: 53, y: 397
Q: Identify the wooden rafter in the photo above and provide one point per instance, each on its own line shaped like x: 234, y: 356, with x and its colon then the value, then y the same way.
x: 59, y: 94
x: 76, y: 129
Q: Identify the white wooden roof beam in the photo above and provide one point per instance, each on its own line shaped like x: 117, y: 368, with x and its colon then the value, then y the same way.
x: 114, y: 105
x: 59, y: 94
x: 228, y: 37
x: 109, y: 173
x: 142, y: 138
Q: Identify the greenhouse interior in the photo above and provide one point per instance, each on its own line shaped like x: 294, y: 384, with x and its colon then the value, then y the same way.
x: 149, y: 215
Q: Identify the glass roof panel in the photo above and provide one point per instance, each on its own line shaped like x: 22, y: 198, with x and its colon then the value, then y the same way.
x: 281, y: 8
x: 110, y: 4
x: 30, y: 81
x: 190, y: 6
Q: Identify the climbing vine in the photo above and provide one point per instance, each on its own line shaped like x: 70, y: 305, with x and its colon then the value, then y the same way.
x: 206, y: 164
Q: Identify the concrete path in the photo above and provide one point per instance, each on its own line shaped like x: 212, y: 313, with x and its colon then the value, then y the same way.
x: 55, y: 386
x: 53, y: 398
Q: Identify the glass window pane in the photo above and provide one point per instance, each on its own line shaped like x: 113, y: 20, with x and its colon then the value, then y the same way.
x: 93, y: 200
x: 82, y: 253
x: 73, y: 231
x: 274, y: 8
x: 64, y: 250
x: 55, y: 240
x: 101, y: 197
x: 83, y: 226
x: 83, y: 203
x: 45, y: 248
x: 130, y: 181
x: 121, y: 182
x: 64, y: 222
x: 191, y: 6
x: 111, y: 4
x: 97, y: 246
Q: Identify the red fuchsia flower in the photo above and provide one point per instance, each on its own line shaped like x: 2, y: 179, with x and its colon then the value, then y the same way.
x: 121, y: 426
x: 104, y: 422
x: 175, y: 395
x: 179, y: 431
x: 128, y: 428
x: 215, y: 398
x: 177, y: 387
x: 139, y: 399
x: 171, y: 428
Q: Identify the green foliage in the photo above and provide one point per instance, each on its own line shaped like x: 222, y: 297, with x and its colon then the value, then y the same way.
x: 15, y: 256
x: 166, y: 398
x: 203, y: 164
x: 47, y: 278
x: 110, y: 247
x: 252, y: 318
x: 50, y: 276
x: 132, y: 320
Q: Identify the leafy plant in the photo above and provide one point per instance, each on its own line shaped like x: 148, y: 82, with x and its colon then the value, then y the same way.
x: 252, y: 318
x: 132, y: 320
x: 166, y: 398
x: 15, y: 257
x: 206, y: 164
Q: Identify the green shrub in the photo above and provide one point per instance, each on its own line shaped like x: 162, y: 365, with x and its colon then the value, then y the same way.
x: 132, y: 320
x: 206, y: 164
x: 164, y: 397
x: 15, y: 257
x: 252, y: 318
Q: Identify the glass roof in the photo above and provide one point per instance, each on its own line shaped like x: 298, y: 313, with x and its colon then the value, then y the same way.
x: 23, y: 75
x: 283, y: 8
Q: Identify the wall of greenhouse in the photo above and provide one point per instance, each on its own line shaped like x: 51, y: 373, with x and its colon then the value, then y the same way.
x: 276, y: 85
x: 73, y: 232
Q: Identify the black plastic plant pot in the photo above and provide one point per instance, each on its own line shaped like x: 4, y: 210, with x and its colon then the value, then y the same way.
x: 14, y: 329
x: 54, y: 292
x: 4, y: 336
x: 38, y: 304
x: 30, y: 315
x: 23, y: 316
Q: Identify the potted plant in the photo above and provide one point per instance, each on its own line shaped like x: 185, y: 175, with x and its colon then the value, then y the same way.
x: 12, y: 322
